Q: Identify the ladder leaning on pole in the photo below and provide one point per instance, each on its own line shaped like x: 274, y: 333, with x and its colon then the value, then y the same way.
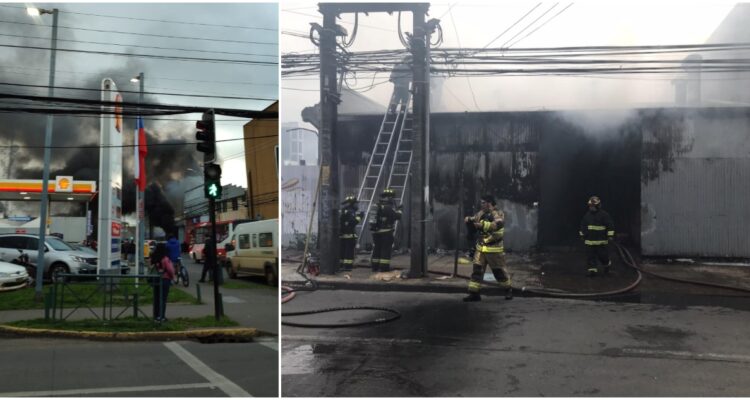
x: 401, y: 165
x: 381, y: 154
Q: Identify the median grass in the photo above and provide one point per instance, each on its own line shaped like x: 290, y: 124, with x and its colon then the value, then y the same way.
x: 90, y: 294
x: 129, y: 324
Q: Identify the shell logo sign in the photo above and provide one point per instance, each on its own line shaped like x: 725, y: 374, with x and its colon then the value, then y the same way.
x: 64, y: 184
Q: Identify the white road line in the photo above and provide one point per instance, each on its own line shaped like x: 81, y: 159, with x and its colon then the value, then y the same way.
x: 218, y: 380
x: 82, y: 392
x: 271, y: 345
x: 687, y: 354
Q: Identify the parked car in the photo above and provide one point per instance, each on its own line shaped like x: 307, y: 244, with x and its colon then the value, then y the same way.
x: 255, y: 251
x: 82, y: 248
x: 59, y: 257
x: 12, y: 277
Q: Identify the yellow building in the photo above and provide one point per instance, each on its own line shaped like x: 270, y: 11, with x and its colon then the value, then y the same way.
x: 261, y: 160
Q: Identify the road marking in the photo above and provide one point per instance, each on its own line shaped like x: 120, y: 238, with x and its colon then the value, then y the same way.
x: 298, y: 361
x: 81, y: 392
x: 305, y: 338
x: 218, y: 380
x: 232, y: 299
x: 687, y: 354
x: 273, y: 345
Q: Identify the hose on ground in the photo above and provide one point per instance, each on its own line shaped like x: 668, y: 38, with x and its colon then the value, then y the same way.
x: 394, y: 316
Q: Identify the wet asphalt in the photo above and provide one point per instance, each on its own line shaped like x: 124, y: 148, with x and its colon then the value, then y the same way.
x: 524, y: 347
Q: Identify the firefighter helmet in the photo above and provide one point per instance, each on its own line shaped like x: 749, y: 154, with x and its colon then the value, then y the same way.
x: 350, y: 199
x: 594, y: 201
x: 388, y: 193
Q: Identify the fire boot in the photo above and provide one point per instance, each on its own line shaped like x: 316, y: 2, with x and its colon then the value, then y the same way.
x: 473, y: 297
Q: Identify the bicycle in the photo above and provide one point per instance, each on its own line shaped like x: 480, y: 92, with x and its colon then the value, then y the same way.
x: 181, y: 274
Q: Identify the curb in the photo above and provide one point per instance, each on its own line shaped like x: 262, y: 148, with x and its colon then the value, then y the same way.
x: 228, y: 334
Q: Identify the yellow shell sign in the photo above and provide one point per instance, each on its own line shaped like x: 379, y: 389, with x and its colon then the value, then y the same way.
x: 64, y: 184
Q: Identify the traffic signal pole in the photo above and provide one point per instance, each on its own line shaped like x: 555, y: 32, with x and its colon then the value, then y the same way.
x: 211, y: 259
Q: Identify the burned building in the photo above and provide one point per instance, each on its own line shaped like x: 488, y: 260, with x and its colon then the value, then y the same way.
x: 674, y: 179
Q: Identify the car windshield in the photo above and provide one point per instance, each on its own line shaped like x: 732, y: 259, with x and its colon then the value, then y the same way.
x: 58, y: 244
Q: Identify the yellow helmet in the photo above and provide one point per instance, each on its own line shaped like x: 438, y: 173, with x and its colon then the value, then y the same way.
x: 350, y: 199
x: 388, y: 192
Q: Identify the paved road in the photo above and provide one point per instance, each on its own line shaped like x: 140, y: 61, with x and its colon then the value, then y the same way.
x: 524, y: 347
x: 79, y: 368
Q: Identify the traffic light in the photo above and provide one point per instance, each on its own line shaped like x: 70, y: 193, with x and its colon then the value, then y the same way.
x: 206, y: 137
x: 212, y: 181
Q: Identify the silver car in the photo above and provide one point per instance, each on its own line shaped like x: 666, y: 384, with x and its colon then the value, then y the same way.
x: 59, y: 257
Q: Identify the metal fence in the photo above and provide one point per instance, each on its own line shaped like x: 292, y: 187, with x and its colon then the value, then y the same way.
x: 106, y: 297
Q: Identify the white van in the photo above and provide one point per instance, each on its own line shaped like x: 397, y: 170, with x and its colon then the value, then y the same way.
x: 255, y: 250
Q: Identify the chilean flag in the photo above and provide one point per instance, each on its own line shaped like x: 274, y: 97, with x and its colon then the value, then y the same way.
x: 141, y: 150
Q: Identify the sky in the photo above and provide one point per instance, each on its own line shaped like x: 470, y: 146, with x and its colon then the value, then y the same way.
x: 214, y: 31
x: 472, y: 24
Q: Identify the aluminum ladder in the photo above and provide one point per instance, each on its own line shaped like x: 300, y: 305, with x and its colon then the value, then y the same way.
x: 381, y: 154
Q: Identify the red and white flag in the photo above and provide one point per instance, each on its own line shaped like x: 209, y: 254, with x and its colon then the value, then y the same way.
x: 141, y: 149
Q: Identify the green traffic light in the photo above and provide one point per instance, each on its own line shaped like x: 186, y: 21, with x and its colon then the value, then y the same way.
x: 213, y: 191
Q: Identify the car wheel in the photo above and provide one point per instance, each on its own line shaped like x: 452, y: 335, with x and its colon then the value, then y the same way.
x: 270, y: 276
x: 58, y: 268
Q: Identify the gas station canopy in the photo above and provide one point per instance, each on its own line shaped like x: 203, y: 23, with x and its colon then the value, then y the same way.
x: 62, y: 188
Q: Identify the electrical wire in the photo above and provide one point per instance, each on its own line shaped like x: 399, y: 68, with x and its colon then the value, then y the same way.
x: 155, y: 56
x: 511, y: 27
x: 156, y: 20
x: 136, y: 92
x: 141, y: 47
x: 147, y: 34
x: 540, y: 26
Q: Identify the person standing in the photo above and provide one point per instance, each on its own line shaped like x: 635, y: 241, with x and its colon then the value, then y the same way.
x: 348, y: 219
x: 208, y: 245
x: 383, y: 227
x: 401, y: 76
x: 597, y: 229
x: 489, y: 250
x: 160, y: 260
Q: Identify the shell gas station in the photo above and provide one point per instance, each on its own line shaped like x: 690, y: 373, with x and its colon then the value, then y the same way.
x: 62, y: 188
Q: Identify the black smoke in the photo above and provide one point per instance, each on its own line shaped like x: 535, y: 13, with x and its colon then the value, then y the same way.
x: 75, y: 138
x: 160, y: 212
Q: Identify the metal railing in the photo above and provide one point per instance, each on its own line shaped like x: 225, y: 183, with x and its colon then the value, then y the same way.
x: 114, y: 295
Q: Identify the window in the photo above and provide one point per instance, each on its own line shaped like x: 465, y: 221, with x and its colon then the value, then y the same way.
x: 223, y: 206
x: 13, y: 242
x: 244, y: 241
x: 32, y: 243
x: 58, y: 244
x: 255, y: 240
x: 235, y: 205
x: 266, y: 239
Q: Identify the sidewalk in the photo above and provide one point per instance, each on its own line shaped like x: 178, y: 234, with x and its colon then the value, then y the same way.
x: 559, y: 273
x: 234, y: 307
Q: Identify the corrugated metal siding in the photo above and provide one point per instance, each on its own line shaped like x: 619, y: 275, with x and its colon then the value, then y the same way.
x: 298, y: 184
x: 699, y: 209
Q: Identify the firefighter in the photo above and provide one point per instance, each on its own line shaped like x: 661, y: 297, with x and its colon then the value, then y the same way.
x: 382, y: 226
x: 348, y: 220
x: 597, y: 229
x: 489, y: 250
x: 401, y: 75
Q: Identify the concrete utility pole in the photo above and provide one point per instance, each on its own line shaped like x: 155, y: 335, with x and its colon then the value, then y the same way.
x: 328, y: 138
x: 328, y: 220
x: 44, y: 200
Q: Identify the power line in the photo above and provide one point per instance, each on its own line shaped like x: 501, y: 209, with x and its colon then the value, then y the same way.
x: 511, y: 27
x: 138, y: 92
x: 142, y: 47
x: 129, y: 145
x: 146, y: 106
x: 150, y: 77
x: 156, y: 56
x: 540, y: 26
x: 148, y: 34
x: 529, y: 25
x: 458, y: 40
x: 159, y: 20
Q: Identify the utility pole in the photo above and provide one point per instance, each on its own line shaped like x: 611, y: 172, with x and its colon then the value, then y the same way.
x: 47, y: 144
x: 419, y: 190
x: 328, y: 221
